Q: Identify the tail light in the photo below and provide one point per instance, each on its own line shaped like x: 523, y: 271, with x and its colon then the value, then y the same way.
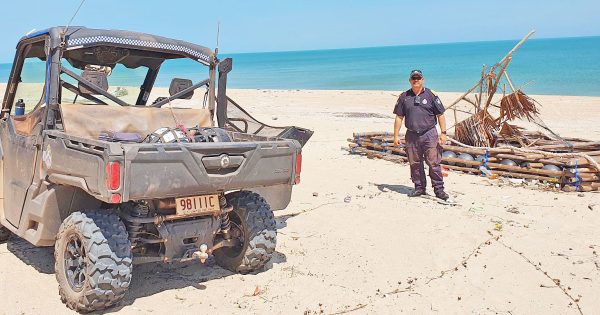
x: 298, y: 168
x: 115, y: 198
x: 113, y: 175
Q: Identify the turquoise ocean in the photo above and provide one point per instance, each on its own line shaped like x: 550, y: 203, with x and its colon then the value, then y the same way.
x: 562, y: 66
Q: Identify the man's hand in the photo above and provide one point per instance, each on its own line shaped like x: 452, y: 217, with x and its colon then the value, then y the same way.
x: 442, y: 139
x: 397, y: 125
x: 442, y: 120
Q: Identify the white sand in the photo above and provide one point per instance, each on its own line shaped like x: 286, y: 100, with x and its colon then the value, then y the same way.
x: 382, y: 253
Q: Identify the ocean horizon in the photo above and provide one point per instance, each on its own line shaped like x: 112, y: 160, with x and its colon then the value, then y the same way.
x: 557, y: 66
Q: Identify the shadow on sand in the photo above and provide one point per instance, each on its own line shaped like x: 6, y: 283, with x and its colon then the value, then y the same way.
x: 148, y: 279
x: 402, y: 189
x: 40, y: 258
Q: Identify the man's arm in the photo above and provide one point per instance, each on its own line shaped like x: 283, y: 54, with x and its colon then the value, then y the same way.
x: 442, y: 121
x: 397, y: 126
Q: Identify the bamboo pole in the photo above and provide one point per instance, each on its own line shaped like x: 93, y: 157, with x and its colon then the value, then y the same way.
x: 466, y: 98
x: 491, y: 165
x: 535, y: 165
x: 463, y: 169
x: 527, y: 176
x: 512, y: 51
x: 588, y: 177
x: 466, y: 93
x: 505, y: 61
x: 455, y: 117
x: 512, y: 87
x: 496, y: 81
x: 582, y: 170
x: 399, y: 158
x: 591, y: 145
x: 499, y: 166
x: 500, y: 152
x: 481, y: 88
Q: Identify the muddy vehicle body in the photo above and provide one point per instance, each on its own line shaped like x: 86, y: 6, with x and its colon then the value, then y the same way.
x: 111, y: 178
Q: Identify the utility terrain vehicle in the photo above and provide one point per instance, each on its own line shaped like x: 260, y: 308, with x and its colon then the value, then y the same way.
x: 111, y: 178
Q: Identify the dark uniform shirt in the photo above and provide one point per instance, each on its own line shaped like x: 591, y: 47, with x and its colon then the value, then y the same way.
x: 419, y: 112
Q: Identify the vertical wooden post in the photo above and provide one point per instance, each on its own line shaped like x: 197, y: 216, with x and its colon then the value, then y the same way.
x: 512, y: 87
x: 481, y: 88
x: 496, y: 81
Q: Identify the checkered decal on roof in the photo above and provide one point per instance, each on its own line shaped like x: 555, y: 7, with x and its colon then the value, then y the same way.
x: 135, y: 42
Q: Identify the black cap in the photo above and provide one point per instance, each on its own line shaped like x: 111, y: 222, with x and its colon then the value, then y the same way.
x: 416, y: 73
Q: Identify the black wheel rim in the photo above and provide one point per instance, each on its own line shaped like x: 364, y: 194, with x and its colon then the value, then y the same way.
x: 75, y: 262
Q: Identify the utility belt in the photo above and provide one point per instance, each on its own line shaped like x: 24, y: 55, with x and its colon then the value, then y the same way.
x: 421, y: 132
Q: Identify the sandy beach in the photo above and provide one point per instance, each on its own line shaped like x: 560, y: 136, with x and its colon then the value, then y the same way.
x: 382, y: 252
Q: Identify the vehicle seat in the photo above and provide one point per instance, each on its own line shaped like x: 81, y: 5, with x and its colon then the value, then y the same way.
x: 88, y: 121
x: 98, y: 78
x: 177, y: 85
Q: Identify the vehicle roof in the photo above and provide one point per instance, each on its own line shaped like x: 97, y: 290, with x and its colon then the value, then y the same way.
x: 79, y: 37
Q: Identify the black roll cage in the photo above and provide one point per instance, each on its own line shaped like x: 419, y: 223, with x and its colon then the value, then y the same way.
x: 113, y: 98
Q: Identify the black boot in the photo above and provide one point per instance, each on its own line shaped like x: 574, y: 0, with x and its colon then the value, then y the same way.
x: 417, y: 193
x: 442, y: 195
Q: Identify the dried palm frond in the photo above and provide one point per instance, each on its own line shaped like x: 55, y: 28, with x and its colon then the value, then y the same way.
x: 517, y: 105
x: 507, y: 131
x: 478, y: 130
x: 513, y: 133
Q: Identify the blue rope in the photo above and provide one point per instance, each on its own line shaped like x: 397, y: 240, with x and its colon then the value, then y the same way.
x: 353, y: 150
x: 486, y: 158
x: 384, y: 143
x: 483, y: 168
x: 577, y: 177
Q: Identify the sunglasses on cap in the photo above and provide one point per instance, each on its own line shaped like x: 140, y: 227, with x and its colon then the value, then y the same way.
x: 416, y: 78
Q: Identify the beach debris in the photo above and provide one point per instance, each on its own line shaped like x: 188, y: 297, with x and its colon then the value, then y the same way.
x: 568, y: 172
x: 256, y: 291
x: 476, y: 209
x: 481, y: 128
x: 593, y: 206
x: 274, y: 118
x: 498, y: 227
x: 465, y: 157
x: 485, y: 171
x: 315, y: 194
x: 516, y: 181
x: 449, y: 154
x: 360, y: 187
x: 347, y: 199
x: 120, y: 92
x: 532, y: 182
x: 517, y: 105
x: 477, y: 130
x: 501, y: 148
x: 508, y: 162
x: 514, y: 210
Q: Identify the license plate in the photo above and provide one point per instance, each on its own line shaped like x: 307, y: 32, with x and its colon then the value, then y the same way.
x: 197, y: 204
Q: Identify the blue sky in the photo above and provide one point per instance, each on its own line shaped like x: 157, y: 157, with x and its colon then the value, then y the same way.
x: 278, y: 25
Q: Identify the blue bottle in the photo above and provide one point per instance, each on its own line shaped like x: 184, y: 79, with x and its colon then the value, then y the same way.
x: 20, y: 108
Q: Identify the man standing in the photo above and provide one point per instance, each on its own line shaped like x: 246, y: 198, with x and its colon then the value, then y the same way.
x: 421, y: 109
